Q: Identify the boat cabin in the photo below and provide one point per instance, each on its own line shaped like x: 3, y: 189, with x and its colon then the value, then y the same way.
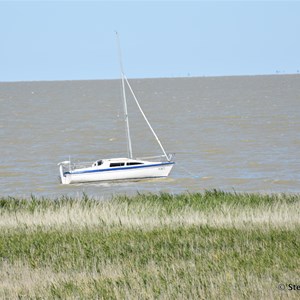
x: 117, y: 162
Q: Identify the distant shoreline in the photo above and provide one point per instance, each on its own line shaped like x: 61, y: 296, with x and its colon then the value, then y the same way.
x: 151, y: 78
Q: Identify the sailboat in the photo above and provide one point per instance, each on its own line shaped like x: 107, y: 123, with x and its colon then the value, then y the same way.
x: 125, y: 168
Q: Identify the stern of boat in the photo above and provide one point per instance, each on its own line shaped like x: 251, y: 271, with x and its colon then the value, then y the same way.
x: 64, y: 179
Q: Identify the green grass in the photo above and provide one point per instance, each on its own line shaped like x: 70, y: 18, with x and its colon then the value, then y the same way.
x: 214, y: 245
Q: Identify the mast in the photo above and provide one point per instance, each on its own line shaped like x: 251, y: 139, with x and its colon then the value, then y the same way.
x: 129, y: 146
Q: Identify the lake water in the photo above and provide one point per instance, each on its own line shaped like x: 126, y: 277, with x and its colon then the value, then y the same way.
x: 229, y: 133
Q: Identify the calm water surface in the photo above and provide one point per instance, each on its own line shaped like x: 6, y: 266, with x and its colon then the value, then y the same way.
x: 230, y: 133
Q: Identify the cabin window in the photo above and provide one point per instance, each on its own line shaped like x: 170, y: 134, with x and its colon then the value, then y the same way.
x: 134, y: 163
x: 117, y: 164
x: 97, y: 163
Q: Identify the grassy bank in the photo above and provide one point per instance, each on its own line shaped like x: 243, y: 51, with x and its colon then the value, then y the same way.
x: 213, y: 245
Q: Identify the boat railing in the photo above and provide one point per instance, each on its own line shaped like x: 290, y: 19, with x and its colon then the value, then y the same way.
x: 171, y: 156
x: 161, y: 158
x: 78, y: 165
x: 71, y: 165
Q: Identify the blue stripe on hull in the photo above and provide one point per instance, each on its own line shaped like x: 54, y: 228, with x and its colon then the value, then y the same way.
x: 118, y: 169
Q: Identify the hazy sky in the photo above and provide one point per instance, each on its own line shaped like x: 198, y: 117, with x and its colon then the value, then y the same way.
x: 67, y: 40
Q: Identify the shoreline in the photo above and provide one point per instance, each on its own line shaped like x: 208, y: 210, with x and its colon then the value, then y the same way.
x: 151, y: 78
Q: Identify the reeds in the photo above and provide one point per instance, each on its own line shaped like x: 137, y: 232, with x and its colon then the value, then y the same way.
x: 214, y: 245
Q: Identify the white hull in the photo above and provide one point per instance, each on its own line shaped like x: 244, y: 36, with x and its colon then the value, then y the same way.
x: 95, y: 174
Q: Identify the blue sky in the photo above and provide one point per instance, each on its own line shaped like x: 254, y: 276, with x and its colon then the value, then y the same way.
x: 70, y: 40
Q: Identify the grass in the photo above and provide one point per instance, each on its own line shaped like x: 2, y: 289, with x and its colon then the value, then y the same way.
x: 214, y: 245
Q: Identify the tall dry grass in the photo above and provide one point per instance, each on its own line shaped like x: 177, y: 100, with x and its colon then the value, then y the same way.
x: 213, y: 245
x: 147, y: 212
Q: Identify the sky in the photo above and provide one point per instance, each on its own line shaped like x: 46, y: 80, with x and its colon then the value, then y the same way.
x: 75, y: 40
